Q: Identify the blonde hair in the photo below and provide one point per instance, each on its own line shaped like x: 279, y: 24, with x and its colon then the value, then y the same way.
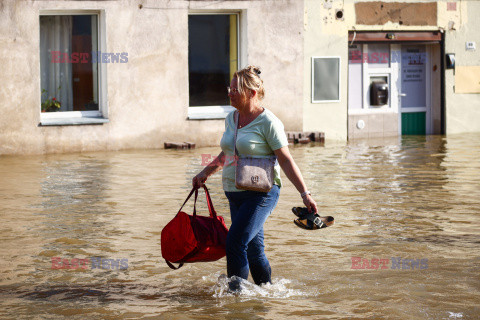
x: 249, y: 78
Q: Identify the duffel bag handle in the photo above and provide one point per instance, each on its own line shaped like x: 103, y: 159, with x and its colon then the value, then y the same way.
x: 190, y: 194
x: 172, y: 266
x: 211, y: 209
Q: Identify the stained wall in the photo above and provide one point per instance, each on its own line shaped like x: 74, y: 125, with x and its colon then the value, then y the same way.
x: 327, y: 35
x: 148, y: 96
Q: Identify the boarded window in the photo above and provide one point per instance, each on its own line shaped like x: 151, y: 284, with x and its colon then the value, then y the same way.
x: 325, y: 79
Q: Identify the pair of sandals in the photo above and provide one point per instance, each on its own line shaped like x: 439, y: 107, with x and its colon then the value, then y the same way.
x: 311, y: 221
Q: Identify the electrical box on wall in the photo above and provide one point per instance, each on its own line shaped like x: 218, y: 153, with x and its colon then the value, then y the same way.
x: 450, y: 60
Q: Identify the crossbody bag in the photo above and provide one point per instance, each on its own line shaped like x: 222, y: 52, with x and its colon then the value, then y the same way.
x: 254, y: 174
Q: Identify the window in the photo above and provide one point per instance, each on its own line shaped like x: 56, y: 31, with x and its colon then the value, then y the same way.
x: 69, y: 66
x: 325, y: 79
x: 377, y: 69
x: 212, y: 57
x: 370, y: 67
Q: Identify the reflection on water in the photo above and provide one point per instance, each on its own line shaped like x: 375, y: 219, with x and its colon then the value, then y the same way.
x: 414, y: 199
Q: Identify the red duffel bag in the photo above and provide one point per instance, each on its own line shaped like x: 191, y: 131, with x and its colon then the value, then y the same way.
x: 193, y: 238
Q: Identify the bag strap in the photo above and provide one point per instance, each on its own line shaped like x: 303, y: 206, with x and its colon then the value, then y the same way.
x: 195, y: 204
x: 236, y: 116
x: 172, y: 266
x: 191, y: 192
x: 211, y: 209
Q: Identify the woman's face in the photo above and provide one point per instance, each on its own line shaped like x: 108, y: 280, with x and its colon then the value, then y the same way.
x: 236, y: 98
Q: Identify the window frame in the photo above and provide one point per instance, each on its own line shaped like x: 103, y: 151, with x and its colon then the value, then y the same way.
x: 217, y: 111
x: 369, y: 72
x: 313, y: 78
x: 81, y: 117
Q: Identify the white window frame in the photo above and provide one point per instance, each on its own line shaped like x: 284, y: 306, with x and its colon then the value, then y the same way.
x: 339, y: 78
x: 376, y: 72
x: 220, y: 111
x: 366, y: 97
x: 83, y: 117
x: 390, y: 72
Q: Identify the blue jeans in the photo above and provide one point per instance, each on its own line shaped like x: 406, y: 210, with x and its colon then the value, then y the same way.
x: 245, y: 249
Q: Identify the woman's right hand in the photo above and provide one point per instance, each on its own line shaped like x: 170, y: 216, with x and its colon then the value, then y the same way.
x: 310, y: 204
x: 199, y: 180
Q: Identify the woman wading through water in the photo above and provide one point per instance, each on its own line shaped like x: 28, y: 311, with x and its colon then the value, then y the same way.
x: 260, y: 133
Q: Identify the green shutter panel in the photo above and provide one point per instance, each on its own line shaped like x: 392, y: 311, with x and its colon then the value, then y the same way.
x: 414, y: 123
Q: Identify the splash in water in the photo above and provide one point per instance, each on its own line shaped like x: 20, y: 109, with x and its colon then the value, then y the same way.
x: 279, y: 288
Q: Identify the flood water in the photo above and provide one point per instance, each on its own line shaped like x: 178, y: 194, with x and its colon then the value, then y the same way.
x: 413, y: 202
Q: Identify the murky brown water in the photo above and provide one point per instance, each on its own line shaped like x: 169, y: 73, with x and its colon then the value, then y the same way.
x: 418, y: 198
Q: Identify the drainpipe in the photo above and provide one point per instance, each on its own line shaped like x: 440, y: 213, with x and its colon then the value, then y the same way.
x: 443, y: 129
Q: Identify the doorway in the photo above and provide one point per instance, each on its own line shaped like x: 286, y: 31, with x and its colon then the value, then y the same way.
x: 406, y: 77
x: 414, y: 91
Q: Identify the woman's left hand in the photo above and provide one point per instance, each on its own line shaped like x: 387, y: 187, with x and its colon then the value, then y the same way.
x: 310, y: 203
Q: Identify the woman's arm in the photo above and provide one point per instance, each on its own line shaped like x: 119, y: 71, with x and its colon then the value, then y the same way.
x: 216, y: 165
x: 293, y: 173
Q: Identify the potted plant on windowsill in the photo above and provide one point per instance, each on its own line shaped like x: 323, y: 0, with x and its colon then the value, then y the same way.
x: 50, y: 104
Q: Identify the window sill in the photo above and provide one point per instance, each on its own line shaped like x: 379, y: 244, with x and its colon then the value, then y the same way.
x: 74, y: 121
x: 209, y: 113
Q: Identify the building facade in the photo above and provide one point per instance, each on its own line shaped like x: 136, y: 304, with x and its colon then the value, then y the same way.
x: 409, y: 67
x: 109, y: 75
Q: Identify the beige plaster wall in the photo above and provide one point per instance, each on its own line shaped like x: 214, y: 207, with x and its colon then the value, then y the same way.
x: 325, y: 36
x: 462, y: 110
x: 148, y: 96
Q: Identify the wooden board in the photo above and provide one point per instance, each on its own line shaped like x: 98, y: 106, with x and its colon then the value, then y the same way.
x: 467, y: 79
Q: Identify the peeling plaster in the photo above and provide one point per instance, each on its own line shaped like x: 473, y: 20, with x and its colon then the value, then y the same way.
x: 379, y: 13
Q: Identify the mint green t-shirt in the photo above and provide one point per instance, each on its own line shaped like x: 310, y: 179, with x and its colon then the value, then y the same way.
x: 257, y: 139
